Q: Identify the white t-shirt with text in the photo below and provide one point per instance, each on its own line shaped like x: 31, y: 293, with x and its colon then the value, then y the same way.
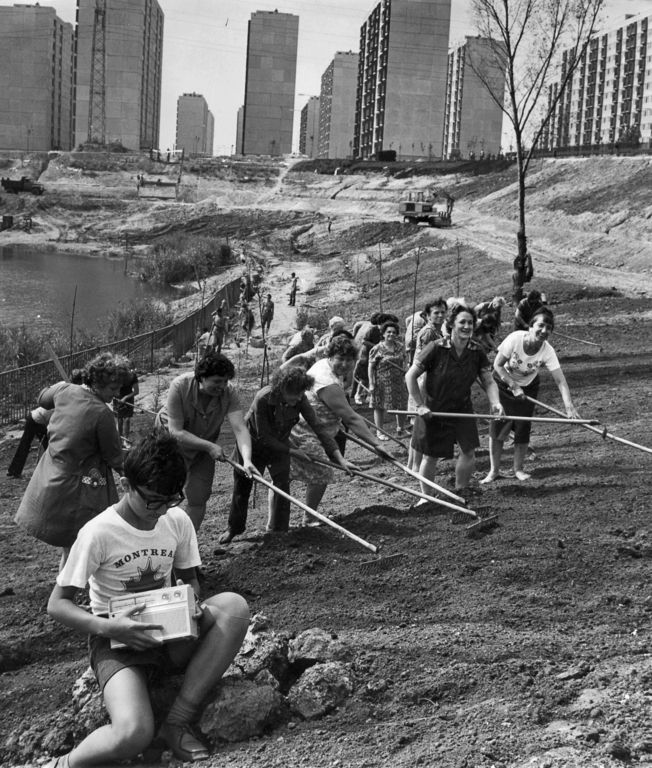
x: 115, y: 558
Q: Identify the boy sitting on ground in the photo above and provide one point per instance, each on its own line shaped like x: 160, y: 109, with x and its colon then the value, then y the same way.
x: 134, y: 546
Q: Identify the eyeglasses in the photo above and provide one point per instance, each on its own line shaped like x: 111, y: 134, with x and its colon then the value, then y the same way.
x: 171, y: 501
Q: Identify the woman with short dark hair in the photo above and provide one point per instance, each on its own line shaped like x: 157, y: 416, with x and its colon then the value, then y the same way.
x: 519, y: 359
x: 275, y: 410
x: 197, y: 404
x: 451, y: 366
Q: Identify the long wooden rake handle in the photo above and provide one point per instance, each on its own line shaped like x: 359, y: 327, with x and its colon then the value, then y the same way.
x: 411, y: 472
x: 303, y: 506
x: 395, y: 486
x: 602, y: 432
x: 492, y: 417
x: 574, y: 338
x: 384, y: 432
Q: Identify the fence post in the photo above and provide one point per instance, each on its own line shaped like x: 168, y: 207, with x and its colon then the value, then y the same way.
x: 151, y: 357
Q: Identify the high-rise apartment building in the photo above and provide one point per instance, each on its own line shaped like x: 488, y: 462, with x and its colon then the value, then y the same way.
x: 238, y: 131
x: 337, y: 106
x: 119, y: 56
x: 609, y: 97
x: 270, y: 83
x: 36, y: 79
x: 309, y: 131
x: 195, y: 125
x: 402, y: 79
x: 473, y: 120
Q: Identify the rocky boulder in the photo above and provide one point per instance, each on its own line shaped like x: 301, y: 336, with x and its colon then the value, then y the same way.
x: 242, y: 709
x: 320, y: 689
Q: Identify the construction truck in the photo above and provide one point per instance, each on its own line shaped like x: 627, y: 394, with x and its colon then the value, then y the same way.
x: 13, y: 187
x: 422, y: 206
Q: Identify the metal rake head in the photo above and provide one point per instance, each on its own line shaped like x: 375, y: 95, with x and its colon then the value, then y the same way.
x: 381, y: 564
x: 485, y: 521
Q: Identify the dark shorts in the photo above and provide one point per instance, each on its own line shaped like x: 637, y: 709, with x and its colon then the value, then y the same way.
x: 106, y: 661
x: 514, y: 407
x: 437, y: 438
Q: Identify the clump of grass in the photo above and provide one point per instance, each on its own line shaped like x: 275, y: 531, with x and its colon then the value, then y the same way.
x: 179, y: 258
x: 138, y: 316
x: 22, y: 345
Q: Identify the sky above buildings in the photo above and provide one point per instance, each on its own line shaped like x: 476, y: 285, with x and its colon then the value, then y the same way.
x: 205, y: 42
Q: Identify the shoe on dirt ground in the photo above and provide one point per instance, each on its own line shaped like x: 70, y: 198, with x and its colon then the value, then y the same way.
x: 184, y: 742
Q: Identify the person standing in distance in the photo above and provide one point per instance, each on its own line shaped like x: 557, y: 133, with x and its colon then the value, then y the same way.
x: 293, y: 290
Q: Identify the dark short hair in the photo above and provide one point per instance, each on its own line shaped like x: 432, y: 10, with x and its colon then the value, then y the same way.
x: 546, y: 314
x: 214, y: 364
x: 440, y: 301
x: 390, y: 316
x: 389, y: 324
x: 77, y: 376
x: 292, y: 379
x: 456, y: 310
x: 533, y: 295
x: 343, y: 332
x: 374, y: 318
x: 106, y: 368
x: 154, y: 462
x: 340, y: 345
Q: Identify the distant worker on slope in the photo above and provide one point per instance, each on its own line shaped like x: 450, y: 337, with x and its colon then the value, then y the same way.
x: 267, y: 313
x: 293, y: 290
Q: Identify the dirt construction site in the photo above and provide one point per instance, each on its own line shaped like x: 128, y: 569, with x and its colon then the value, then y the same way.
x: 527, y: 645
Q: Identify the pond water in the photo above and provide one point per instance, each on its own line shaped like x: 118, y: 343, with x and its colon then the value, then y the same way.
x: 38, y: 287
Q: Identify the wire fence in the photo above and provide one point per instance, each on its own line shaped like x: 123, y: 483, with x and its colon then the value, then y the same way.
x: 19, y: 388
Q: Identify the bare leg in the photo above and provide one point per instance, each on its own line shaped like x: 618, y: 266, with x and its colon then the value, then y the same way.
x: 218, y: 647
x: 132, y: 724
x: 379, y: 421
x: 314, y: 494
x: 127, y: 426
x: 520, y: 452
x: 495, y: 452
x: 400, y: 420
x: 464, y: 469
x: 427, y: 468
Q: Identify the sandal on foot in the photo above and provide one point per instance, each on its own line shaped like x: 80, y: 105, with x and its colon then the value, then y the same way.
x: 184, y: 742
x: 382, y: 437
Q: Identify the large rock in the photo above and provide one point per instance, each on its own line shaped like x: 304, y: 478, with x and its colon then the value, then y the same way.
x: 320, y: 689
x: 316, y: 646
x: 242, y: 709
x: 263, y: 650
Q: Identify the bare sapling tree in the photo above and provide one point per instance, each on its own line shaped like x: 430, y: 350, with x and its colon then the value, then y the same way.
x: 521, y: 56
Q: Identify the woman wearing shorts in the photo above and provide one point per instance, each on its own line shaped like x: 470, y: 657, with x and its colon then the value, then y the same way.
x: 516, y: 371
x: 451, y: 366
